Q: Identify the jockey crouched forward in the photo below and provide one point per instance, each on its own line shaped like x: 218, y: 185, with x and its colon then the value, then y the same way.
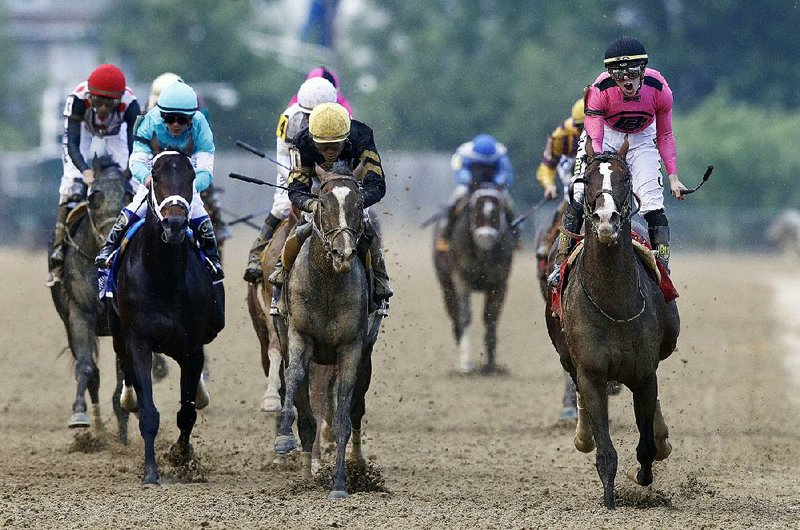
x: 100, y: 107
x: 292, y: 122
x: 174, y: 120
x: 332, y: 136
x: 482, y: 160
x: 630, y: 101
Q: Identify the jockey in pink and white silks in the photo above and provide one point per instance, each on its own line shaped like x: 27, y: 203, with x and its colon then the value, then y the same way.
x: 293, y: 121
x: 629, y: 100
x: 174, y: 121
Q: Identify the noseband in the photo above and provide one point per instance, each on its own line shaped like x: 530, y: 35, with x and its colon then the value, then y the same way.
x: 327, y: 236
x: 172, y: 200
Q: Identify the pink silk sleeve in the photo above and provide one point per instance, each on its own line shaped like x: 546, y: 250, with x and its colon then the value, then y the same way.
x: 665, y: 139
x: 593, y: 123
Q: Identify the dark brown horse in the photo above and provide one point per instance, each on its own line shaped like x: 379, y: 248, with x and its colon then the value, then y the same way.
x: 328, y: 320
x: 616, y: 324
x: 166, y: 303
x: 75, y: 297
x: 479, y: 259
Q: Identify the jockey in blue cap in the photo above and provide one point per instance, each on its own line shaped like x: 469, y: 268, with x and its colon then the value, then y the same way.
x: 481, y: 161
x: 174, y: 120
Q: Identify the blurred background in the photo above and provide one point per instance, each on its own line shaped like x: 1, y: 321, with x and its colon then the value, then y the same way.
x: 425, y: 76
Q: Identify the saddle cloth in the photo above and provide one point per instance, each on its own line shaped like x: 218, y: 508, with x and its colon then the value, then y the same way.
x: 645, y: 253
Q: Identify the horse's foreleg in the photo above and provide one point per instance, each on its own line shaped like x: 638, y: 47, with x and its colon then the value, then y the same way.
x: 569, y: 408
x: 349, y: 358
x: 271, y: 400
x: 149, y: 418
x: 491, y: 314
x: 187, y: 415
x: 594, y: 401
x: 645, y: 397
x: 84, y: 347
x: 319, y: 394
x: 299, y: 354
x: 306, y: 425
x: 359, y: 405
x: 462, y: 318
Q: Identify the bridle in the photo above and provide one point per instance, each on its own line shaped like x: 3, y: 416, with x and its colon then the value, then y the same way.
x: 172, y: 200
x: 478, y: 194
x: 327, y: 236
x: 99, y: 231
x: 626, y: 212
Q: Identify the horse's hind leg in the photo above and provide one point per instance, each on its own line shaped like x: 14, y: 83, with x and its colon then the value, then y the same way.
x: 346, y: 373
x: 594, y: 401
x: 359, y: 405
x: 661, y: 432
x: 645, y: 398
x: 187, y: 415
x: 569, y: 410
x: 119, y: 412
x: 461, y: 313
x: 306, y: 425
x: 319, y: 393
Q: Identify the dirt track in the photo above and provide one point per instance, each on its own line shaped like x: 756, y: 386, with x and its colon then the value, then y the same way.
x: 455, y: 452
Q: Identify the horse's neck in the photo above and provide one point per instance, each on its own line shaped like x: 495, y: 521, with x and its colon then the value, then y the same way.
x: 318, y: 262
x: 610, y: 271
x: 165, y: 263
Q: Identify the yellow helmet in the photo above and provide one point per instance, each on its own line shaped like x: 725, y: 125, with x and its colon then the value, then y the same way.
x: 329, y: 123
x: 577, y: 111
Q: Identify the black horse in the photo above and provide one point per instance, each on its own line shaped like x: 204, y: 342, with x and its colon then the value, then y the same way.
x: 616, y: 324
x: 75, y: 297
x: 329, y: 322
x: 166, y: 303
x: 479, y: 259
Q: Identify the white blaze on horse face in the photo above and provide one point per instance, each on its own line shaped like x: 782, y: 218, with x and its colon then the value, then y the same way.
x: 605, y: 211
x: 341, y: 194
x: 488, y: 207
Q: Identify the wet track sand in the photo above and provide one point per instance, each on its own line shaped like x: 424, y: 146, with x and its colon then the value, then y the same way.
x: 455, y: 452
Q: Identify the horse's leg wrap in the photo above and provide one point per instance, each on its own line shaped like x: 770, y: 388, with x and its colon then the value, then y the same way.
x: 571, y: 222
x: 253, y: 271
x: 204, y: 230
x: 658, y: 230
x: 383, y: 291
x: 114, y: 238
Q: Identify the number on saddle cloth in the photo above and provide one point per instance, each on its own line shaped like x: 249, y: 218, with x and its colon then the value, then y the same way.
x: 107, y: 278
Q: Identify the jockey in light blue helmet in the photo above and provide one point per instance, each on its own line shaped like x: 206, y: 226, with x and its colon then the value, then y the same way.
x: 174, y: 120
x: 481, y: 161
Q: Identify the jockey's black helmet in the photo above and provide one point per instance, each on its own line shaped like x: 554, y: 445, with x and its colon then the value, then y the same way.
x: 625, y: 52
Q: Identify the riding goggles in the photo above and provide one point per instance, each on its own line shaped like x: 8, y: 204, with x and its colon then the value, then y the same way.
x: 101, y: 101
x: 175, y: 117
x: 631, y: 72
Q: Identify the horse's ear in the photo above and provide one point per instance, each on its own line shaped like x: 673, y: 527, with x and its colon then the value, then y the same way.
x: 155, y: 146
x: 321, y: 173
x: 189, y: 149
x: 358, y: 172
x: 623, y: 150
x: 589, y: 147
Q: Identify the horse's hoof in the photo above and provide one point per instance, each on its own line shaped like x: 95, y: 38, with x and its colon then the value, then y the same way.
x: 151, y: 477
x: 79, y: 420
x: 181, y: 452
x: 202, y: 398
x: 568, y: 414
x: 280, y: 460
x: 270, y: 403
x: 127, y: 399
x: 338, y: 495
x: 466, y: 368
x: 633, y: 475
x: 584, y: 446
x: 285, y: 444
x: 316, y: 464
x: 663, y: 449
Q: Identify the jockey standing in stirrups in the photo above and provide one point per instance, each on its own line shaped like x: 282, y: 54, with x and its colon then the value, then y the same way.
x: 100, y: 107
x: 634, y: 101
x: 482, y: 160
x: 559, y: 159
x: 330, y: 75
x: 293, y: 121
x: 174, y: 120
x: 332, y: 136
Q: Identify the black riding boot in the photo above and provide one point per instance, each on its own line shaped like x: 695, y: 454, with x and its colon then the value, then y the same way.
x: 443, y: 242
x: 208, y: 244
x: 113, y: 240
x: 55, y: 260
x: 571, y: 222
x: 658, y: 230
x: 253, y: 271
x: 382, y: 291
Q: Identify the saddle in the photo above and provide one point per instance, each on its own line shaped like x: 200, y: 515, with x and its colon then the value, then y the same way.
x: 645, y: 253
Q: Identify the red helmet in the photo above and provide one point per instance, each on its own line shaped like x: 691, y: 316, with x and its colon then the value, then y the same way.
x: 107, y: 81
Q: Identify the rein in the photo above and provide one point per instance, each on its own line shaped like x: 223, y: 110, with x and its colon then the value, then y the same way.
x: 327, y: 236
x: 172, y: 200
x: 606, y: 315
x: 626, y: 212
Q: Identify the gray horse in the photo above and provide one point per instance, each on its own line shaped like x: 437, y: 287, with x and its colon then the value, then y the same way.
x: 616, y: 324
x: 75, y: 297
x: 327, y: 308
x: 479, y: 259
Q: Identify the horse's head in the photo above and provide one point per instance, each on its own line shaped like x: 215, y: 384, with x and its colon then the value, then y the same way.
x: 608, y: 194
x: 171, y: 193
x: 487, y: 218
x: 109, y: 190
x: 339, y: 218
